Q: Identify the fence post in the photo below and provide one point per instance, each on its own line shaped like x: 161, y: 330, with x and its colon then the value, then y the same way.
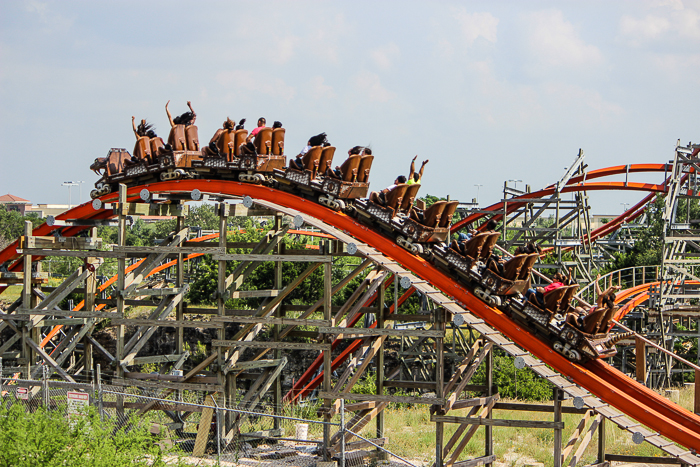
x: 342, y: 432
x: 218, y: 432
x: 100, y: 408
x: 45, y: 385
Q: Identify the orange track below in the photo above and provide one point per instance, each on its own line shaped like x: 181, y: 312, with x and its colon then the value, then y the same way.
x: 610, y: 385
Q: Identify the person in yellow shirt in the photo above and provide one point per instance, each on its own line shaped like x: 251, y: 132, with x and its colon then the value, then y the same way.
x: 414, y: 177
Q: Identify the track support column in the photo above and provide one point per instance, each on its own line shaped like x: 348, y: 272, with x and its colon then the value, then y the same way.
x: 121, y: 267
x: 557, y: 432
x: 222, y: 210
x: 327, y: 358
x: 179, y: 282
x: 488, y: 430
x: 439, y: 318
x: 380, y: 375
x: 27, y: 352
x: 279, y: 313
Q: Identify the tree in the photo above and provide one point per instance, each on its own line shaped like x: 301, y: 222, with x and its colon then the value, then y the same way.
x: 12, y: 225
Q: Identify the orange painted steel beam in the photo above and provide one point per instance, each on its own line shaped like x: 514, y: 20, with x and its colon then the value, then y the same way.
x: 520, y: 201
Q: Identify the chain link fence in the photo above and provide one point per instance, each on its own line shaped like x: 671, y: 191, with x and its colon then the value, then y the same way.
x: 195, y: 423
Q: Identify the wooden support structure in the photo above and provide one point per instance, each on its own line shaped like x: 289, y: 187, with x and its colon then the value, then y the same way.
x: 246, y: 358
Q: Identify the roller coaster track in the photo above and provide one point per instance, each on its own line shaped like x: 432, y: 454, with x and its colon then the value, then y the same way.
x: 581, y: 183
x: 611, y: 386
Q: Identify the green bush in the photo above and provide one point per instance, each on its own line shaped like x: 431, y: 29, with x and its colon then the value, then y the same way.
x: 45, y: 438
x: 513, y: 383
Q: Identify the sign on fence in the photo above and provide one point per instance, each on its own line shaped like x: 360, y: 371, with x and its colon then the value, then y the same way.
x: 23, y: 394
x: 77, y: 405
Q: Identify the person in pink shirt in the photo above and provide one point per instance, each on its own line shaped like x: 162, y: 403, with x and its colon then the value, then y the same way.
x: 558, y: 280
x: 261, y: 125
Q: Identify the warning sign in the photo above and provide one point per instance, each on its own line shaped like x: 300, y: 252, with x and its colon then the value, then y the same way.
x: 77, y: 405
x: 23, y: 394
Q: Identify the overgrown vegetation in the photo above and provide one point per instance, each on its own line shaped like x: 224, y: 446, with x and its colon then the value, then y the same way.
x: 45, y: 437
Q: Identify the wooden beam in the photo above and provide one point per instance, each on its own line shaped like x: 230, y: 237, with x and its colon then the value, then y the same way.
x: 286, y: 258
x: 497, y: 422
x: 166, y: 322
x: 585, y: 441
x: 575, y: 435
x: 385, y: 398
x: 269, y: 345
x: 474, y: 365
x: 354, y: 333
x: 200, y: 442
x: 168, y: 385
x: 476, y: 461
x: 282, y: 321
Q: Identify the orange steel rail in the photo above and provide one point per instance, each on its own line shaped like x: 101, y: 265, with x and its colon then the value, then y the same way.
x: 610, y: 385
x: 577, y: 181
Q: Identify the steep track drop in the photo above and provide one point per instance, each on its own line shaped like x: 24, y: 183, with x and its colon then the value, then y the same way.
x: 610, y: 385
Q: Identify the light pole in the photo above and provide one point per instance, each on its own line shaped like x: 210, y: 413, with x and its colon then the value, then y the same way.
x: 515, y: 183
x: 477, y: 192
x: 624, y: 207
x: 70, y: 185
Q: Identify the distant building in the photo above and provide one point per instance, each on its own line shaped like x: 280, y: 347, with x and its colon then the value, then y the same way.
x: 25, y: 207
x: 15, y: 203
x: 43, y: 210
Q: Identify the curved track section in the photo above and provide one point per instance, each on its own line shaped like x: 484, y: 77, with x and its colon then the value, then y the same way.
x: 579, y: 183
x: 610, y: 385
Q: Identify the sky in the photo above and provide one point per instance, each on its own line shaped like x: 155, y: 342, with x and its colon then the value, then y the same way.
x: 487, y: 91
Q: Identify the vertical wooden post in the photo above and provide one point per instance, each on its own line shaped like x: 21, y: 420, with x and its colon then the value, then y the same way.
x: 27, y: 352
x: 279, y: 313
x: 488, y: 430
x: 90, y: 292
x: 640, y: 359
x: 179, y: 282
x: 121, y: 267
x: 327, y: 360
x: 557, y: 432
x: 380, y: 377
x: 222, y: 209
x: 601, y: 441
x: 439, y: 318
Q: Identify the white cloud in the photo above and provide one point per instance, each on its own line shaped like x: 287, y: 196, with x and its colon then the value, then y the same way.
x: 246, y: 80
x: 384, y: 57
x: 649, y: 27
x: 477, y: 25
x: 554, y: 42
x: 324, y: 37
x: 573, y: 97
x: 369, y: 85
x: 51, y: 21
x: 320, y: 90
x: 283, y: 49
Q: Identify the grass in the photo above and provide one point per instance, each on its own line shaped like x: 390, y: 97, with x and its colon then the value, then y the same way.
x: 412, y: 435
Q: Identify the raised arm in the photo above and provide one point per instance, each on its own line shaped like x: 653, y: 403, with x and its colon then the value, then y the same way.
x: 598, y: 292
x: 422, y: 168
x: 170, y: 118
x: 194, y: 114
x: 412, y: 171
x: 133, y: 125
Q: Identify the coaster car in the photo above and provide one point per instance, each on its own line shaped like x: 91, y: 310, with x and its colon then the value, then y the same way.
x: 316, y: 180
x: 253, y: 168
x: 411, y: 227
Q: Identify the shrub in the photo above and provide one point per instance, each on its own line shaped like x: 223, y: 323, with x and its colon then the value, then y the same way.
x: 46, y: 438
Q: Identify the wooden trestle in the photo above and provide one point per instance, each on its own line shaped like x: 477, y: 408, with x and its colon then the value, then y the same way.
x: 438, y: 372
